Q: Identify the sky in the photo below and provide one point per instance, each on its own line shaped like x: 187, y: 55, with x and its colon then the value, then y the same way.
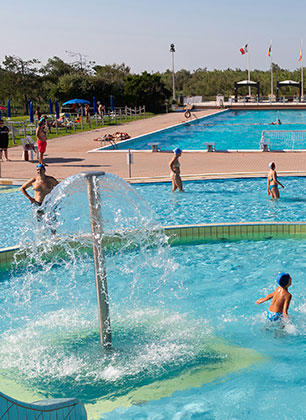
x: 206, y: 33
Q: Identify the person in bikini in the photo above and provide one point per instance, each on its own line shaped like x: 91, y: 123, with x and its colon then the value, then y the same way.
x: 41, y: 137
x: 175, y: 167
x: 272, y: 186
x: 42, y: 185
x: 281, y: 298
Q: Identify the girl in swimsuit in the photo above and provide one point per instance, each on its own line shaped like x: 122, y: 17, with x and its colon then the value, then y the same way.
x: 175, y: 167
x: 272, y: 186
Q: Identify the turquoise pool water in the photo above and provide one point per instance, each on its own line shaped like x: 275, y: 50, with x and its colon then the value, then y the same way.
x: 212, y: 201
x: 188, y: 340
x: 230, y: 130
x: 162, y: 326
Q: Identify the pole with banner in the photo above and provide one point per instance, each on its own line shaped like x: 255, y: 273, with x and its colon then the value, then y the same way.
x: 245, y: 50
x: 302, y: 77
x: 271, y: 66
x: 249, y: 68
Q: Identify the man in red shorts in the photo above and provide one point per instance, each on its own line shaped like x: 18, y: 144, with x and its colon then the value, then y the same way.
x: 41, y: 140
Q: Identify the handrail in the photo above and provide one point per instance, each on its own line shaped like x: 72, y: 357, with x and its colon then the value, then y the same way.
x: 43, y: 406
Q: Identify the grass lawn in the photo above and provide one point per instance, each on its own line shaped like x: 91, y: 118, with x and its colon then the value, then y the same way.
x: 62, y: 131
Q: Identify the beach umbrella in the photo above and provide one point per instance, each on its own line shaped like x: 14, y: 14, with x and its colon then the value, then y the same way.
x: 56, y: 109
x: 2, y: 108
x: 50, y: 107
x: 112, y: 103
x: 76, y: 101
x: 8, y: 111
x: 31, y: 112
x: 94, y: 104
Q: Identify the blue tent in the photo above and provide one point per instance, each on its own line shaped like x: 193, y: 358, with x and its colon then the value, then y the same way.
x: 31, y: 112
x: 50, y: 107
x: 112, y: 103
x: 94, y: 104
x: 8, y: 109
x: 76, y: 101
x: 56, y: 109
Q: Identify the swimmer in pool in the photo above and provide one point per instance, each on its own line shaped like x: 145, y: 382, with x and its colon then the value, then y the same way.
x: 175, y: 167
x: 42, y: 185
x: 272, y: 186
x: 280, y: 298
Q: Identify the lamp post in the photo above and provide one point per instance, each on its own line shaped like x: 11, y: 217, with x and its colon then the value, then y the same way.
x: 172, y: 50
x: 81, y: 59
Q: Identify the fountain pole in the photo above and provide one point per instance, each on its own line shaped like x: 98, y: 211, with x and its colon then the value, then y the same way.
x: 99, y: 258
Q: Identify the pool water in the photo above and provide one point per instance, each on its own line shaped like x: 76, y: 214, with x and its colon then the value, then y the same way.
x: 231, y: 200
x: 230, y: 130
x: 188, y: 340
x: 211, y: 201
x: 164, y: 323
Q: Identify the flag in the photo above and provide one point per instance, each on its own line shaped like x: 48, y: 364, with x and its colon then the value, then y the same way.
x: 301, y: 55
x: 244, y: 50
x: 269, y: 50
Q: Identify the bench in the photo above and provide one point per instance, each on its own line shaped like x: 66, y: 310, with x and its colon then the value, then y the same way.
x: 155, y: 147
x: 210, y: 147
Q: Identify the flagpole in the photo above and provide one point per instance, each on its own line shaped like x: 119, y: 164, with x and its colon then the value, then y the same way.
x: 271, y: 64
x: 249, y: 72
x: 302, y: 81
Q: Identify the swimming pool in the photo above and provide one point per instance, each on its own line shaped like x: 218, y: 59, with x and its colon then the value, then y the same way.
x: 210, y: 201
x: 165, y: 330
x: 186, y: 331
x: 230, y: 130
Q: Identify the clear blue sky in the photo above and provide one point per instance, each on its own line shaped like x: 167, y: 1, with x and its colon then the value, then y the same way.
x: 206, y: 33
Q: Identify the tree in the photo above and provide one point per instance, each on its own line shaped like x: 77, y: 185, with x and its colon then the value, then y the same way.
x: 77, y: 85
x: 55, y: 68
x: 114, y: 73
x: 146, y: 89
x: 21, y: 78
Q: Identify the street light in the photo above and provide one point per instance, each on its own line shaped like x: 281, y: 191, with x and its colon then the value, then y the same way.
x: 81, y: 56
x: 172, y: 50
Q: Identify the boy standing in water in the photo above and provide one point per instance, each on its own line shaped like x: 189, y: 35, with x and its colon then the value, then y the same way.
x: 280, y: 298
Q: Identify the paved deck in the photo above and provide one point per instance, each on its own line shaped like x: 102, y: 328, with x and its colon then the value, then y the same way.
x: 69, y: 155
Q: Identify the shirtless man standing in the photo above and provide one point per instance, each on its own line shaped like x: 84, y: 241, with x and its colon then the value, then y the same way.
x: 41, y: 140
x: 42, y: 185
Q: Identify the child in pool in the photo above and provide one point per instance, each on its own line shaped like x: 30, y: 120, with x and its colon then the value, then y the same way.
x: 280, y: 298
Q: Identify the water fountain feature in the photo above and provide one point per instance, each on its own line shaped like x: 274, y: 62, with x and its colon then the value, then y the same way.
x: 99, y: 258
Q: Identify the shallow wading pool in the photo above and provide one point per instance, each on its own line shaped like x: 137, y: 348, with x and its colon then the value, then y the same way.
x: 188, y: 340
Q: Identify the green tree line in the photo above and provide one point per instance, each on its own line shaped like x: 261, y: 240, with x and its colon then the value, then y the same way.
x: 208, y: 84
x: 24, y: 80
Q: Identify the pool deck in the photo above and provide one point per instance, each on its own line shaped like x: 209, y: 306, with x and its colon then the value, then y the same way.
x: 69, y: 155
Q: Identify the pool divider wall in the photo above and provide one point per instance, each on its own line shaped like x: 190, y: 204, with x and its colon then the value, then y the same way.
x: 180, y: 235
x: 184, y: 234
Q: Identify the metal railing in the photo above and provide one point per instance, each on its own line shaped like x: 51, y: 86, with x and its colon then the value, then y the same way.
x: 50, y: 409
x: 74, y: 122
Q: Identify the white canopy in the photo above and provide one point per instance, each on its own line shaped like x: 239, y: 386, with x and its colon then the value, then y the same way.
x: 288, y: 82
x: 246, y: 82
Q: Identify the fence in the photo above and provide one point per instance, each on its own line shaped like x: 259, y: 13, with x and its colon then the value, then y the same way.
x: 69, y: 122
x: 283, y: 139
